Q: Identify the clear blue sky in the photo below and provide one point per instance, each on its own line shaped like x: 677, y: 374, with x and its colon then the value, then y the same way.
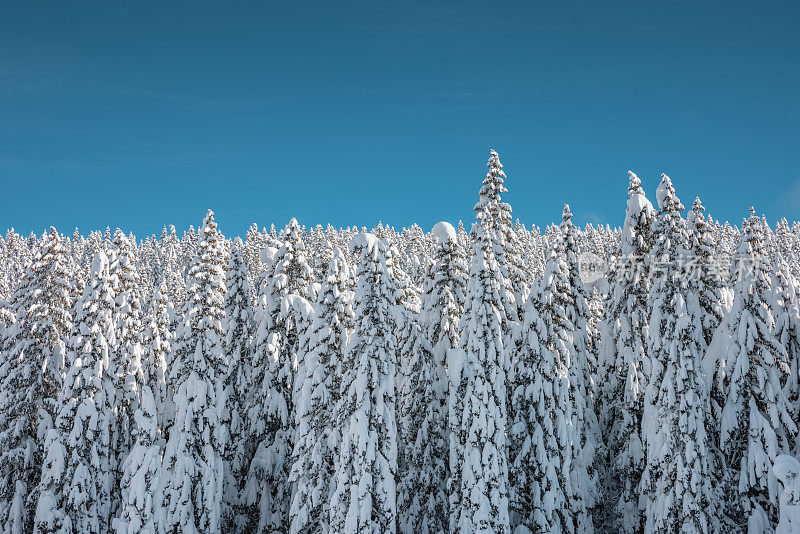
x: 140, y: 114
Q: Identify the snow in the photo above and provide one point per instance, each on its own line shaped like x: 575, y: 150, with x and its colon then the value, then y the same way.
x: 363, y: 240
x: 444, y: 232
x: 99, y: 263
x: 661, y: 191
x: 638, y: 207
x: 787, y: 470
x: 268, y: 254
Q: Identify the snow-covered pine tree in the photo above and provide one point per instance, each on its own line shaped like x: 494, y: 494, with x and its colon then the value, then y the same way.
x: 173, y: 272
x: 266, y: 410
x: 704, y: 276
x: 316, y: 445
x: 785, y: 304
x: 756, y: 423
x: 422, y: 424
x: 126, y: 358
x: 237, y: 345
x: 423, y: 504
x: 141, y: 504
x: 478, y: 484
x: 582, y: 375
x: 253, y: 244
x: 157, y: 347
x: 787, y: 470
x: 445, y: 292
x: 140, y: 508
x: 495, y: 216
x: 50, y: 312
x: 623, y: 359
x: 538, y: 403
x: 193, y: 489
x: 76, y: 481
x: 550, y: 487
x: 364, y: 499
x: 34, y: 352
x: 677, y: 479
x: 281, y: 317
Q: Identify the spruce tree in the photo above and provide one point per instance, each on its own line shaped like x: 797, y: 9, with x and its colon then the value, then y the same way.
x: 785, y: 304
x: 76, y: 480
x: 495, y: 216
x: 266, y: 410
x: 422, y: 476
x: 677, y: 478
x: 237, y: 345
x: 756, y: 423
x: 196, y: 445
x: 624, y: 364
x: 364, y: 500
x: 478, y: 484
x: 281, y: 317
x: 317, y: 443
x: 704, y: 274
x: 157, y: 347
x: 541, y: 416
x: 126, y: 358
x: 423, y: 504
x: 582, y: 373
x: 31, y: 383
x: 140, y: 509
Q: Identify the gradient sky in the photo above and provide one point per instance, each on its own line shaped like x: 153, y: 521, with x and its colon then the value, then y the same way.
x: 140, y: 114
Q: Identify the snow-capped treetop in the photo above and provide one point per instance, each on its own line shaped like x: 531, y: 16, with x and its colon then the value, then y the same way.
x: 444, y: 232
x: 363, y: 240
x: 490, y: 209
x: 99, y: 264
x: 638, y: 216
x: 697, y: 210
x: 291, y: 261
x: 661, y: 190
x: 268, y: 254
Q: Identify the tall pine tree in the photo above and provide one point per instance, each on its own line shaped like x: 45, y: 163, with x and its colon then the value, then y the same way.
x: 193, y: 489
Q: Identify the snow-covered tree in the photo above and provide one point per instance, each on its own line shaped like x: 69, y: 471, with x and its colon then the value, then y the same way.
x: 756, y: 423
x: 787, y: 470
x: 495, y: 216
x: 445, y: 292
x: 423, y: 503
x: 237, y: 343
x: 76, y: 481
x: 193, y: 489
x: 317, y: 441
x: 550, y: 487
x: 540, y: 411
x: 478, y: 484
x: 157, y: 347
x: 266, y: 410
x: 281, y: 316
x: 422, y: 422
x: 364, y: 499
x: 34, y: 350
x: 785, y: 304
x: 677, y: 479
x: 582, y: 372
x: 126, y: 358
x: 140, y: 508
x: 624, y: 363
x: 703, y: 272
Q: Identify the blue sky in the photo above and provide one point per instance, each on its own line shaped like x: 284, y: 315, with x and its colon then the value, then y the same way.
x: 141, y: 114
